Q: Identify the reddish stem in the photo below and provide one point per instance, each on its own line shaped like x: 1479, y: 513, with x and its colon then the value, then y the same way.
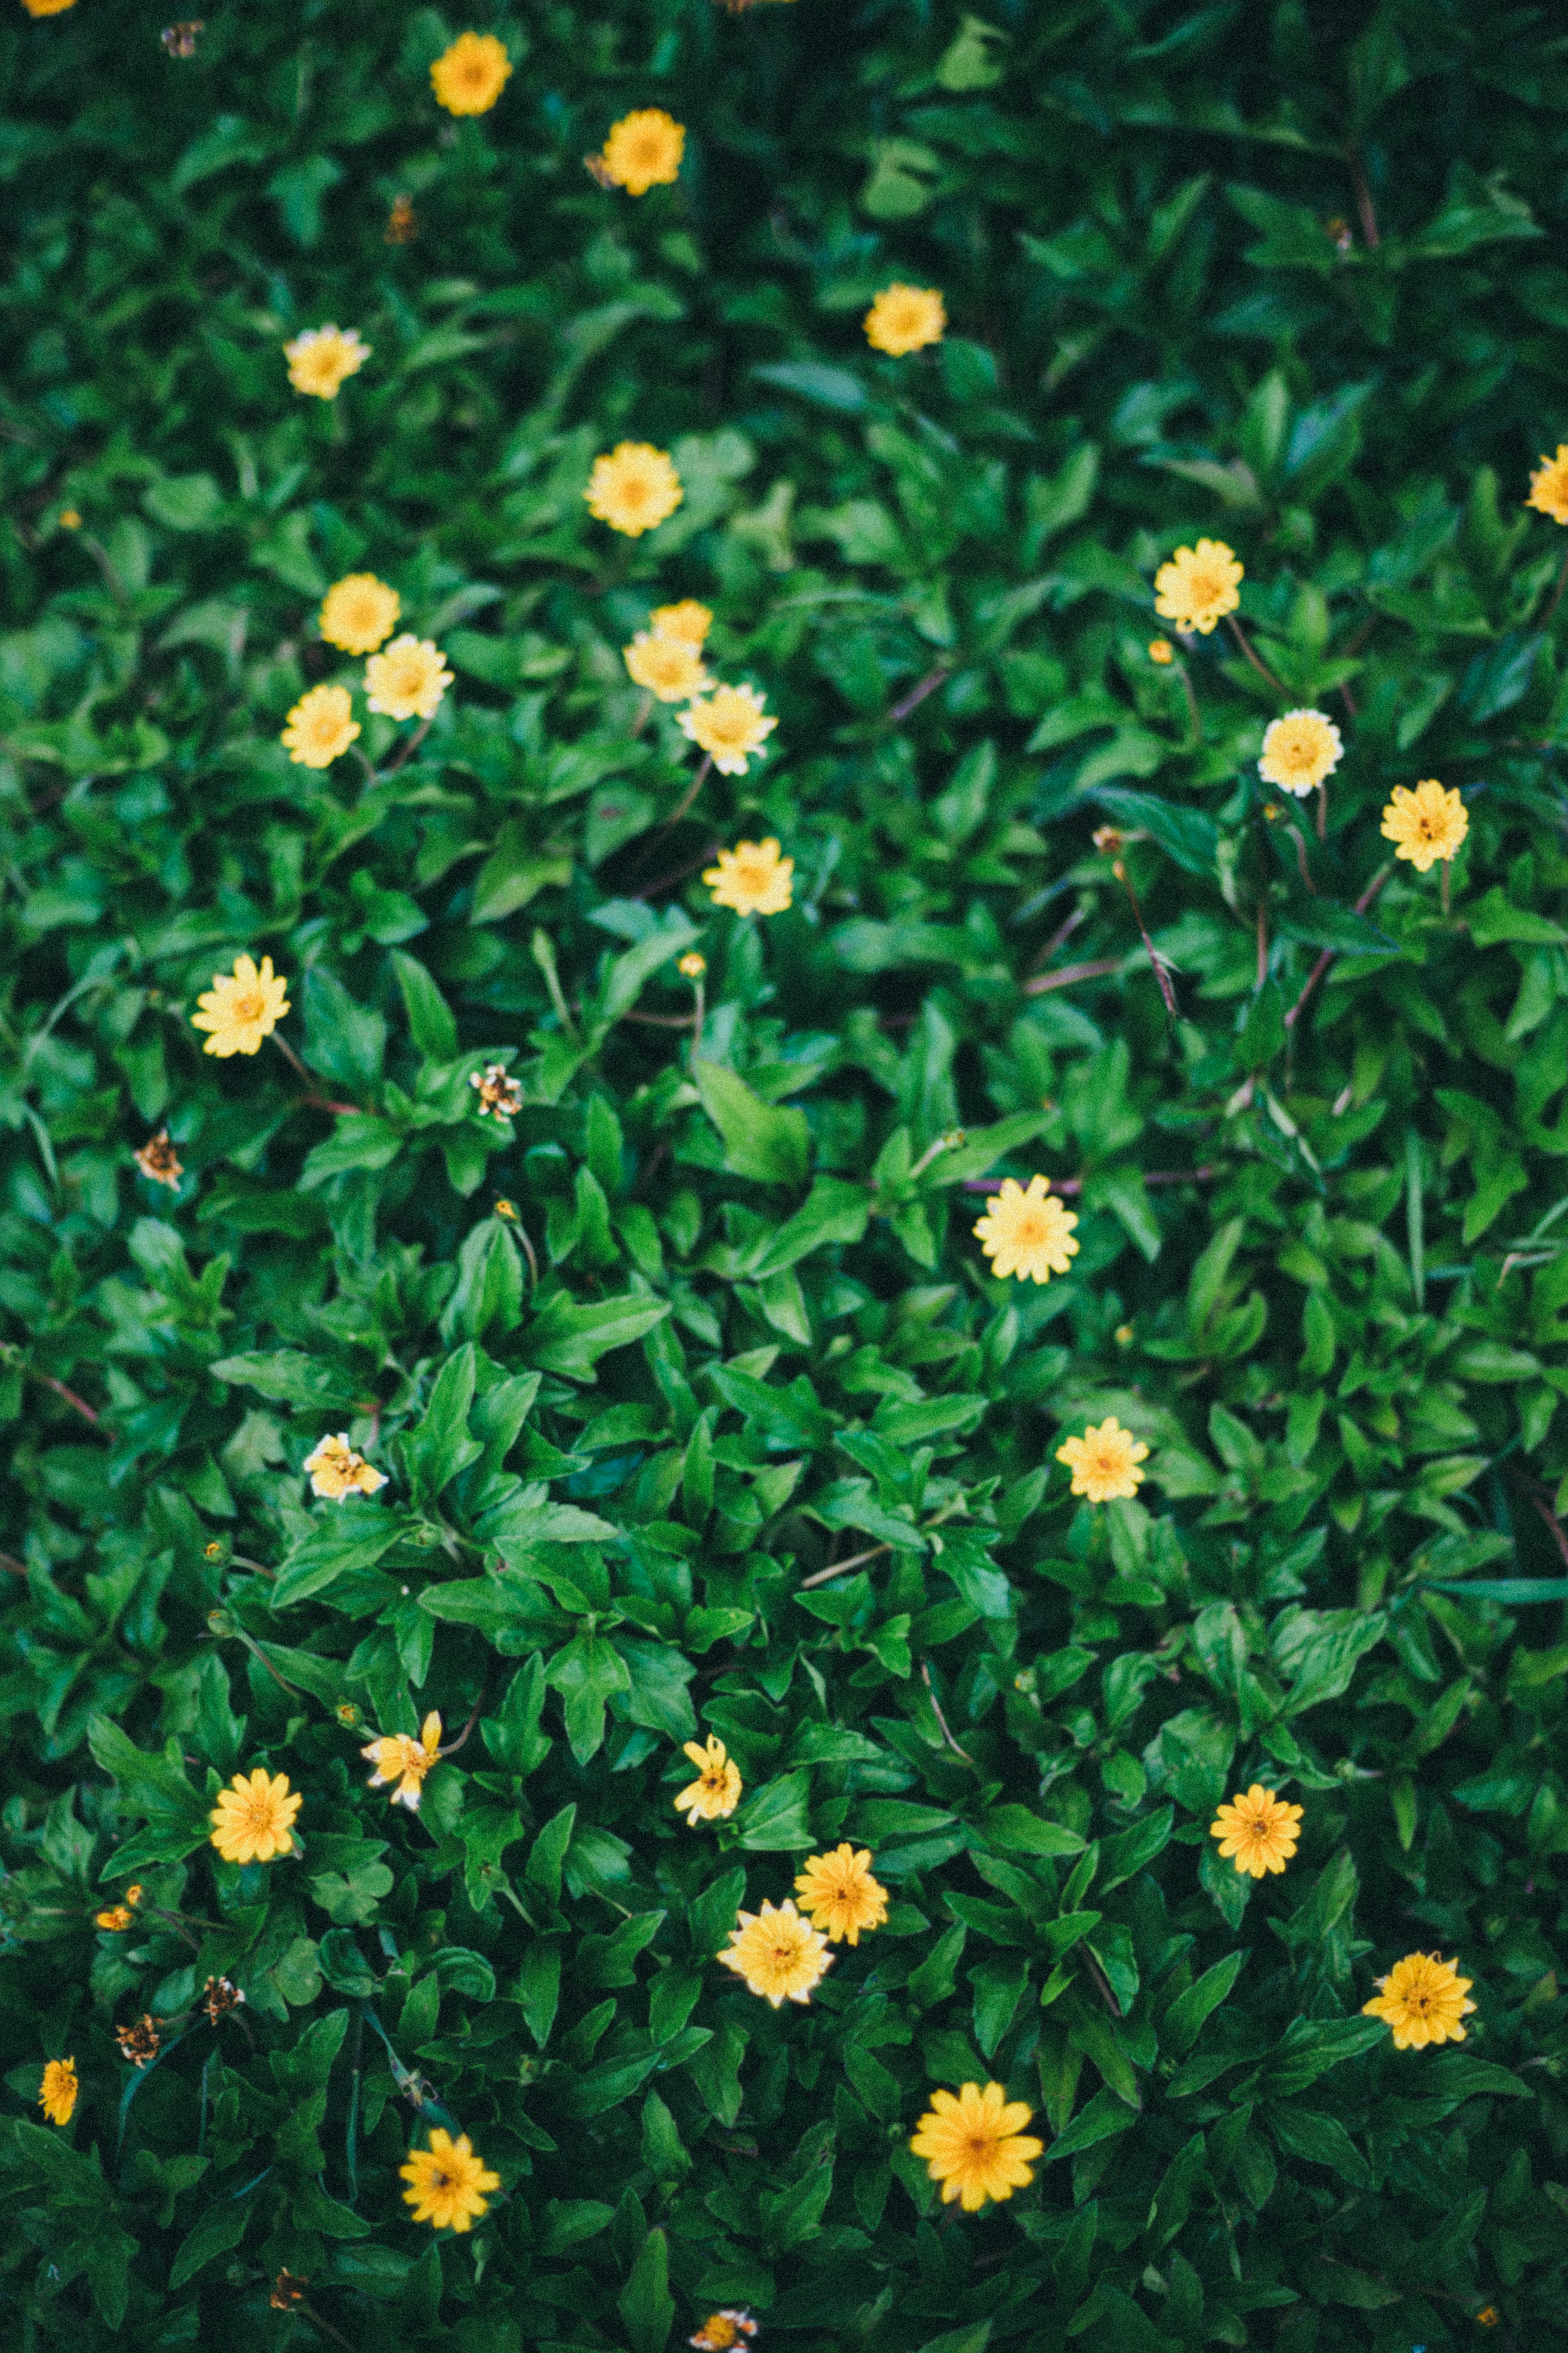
x: 917, y: 694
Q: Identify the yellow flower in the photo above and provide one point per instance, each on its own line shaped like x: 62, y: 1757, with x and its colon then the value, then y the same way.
x: 1027, y: 1233
x: 717, y: 1788
x: 838, y: 1894
x: 322, y: 359
x: 408, y: 680
x: 358, y: 613
x: 68, y: 518
x: 752, y: 878
x: 730, y: 727
x: 1258, y: 1829
x: 398, y: 1757
x: 1428, y: 824
x: 670, y: 667
x: 905, y: 319
x: 1548, y: 486
x: 158, y: 1159
x: 133, y: 1893
x: 1198, y: 586
x: 47, y: 8
x: 117, y: 1917
x: 334, y: 1470
x: 469, y: 77
x: 644, y: 151
x: 780, y: 1956
x: 1300, y: 751
x: 975, y: 2144
x: 57, y: 2096
x: 1423, y: 2000
x: 724, y: 2331
x: 1104, y: 1462
x: 692, y: 967
x: 321, y: 727
x: 448, y: 2178
x: 251, y: 1818
x: 241, y: 1007
x: 1161, y: 650
x: 633, y: 487
x: 688, y: 619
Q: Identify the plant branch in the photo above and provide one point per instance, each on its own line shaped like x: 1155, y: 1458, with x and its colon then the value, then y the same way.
x: 452, y: 1746
x: 78, y: 1404
x: 1362, y: 196
x: 1060, y: 936
x: 684, y: 803
x: 916, y: 695
x: 838, y: 1568
x: 946, y: 1727
x: 406, y: 749
x: 1239, y: 634
x: 1326, y: 959
x: 1095, y: 970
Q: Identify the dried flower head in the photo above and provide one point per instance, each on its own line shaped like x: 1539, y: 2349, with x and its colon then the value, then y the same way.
x: 905, y: 319
x: 334, y: 1470
x: 1300, y: 751
x: 1548, y: 486
x: 717, y: 1788
x: 1427, y: 824
x: 1257, y: 1832
x: 497, y: 1093
x: 1161, y: 650
x: 57, y: 2092
x: 288, y: 2289
x: 1109, y: 839
x: 1104, y: 1462
x: 1489, y: 2316
x: 219, y: 1997
x: 180, y: 40
x: 976, y: 2146
x: 1423, y: 2000
x: 447, y: 2180
x: 241, y: 1007
x: 838, y: 1894
x: 469, y: 77
x: 321, y: 727
x: 322, y: 359
x: 731, y: 726
x: 752, y: 878
x: 1027, y: 1232
x: 1198, y: 586
x: 669, y: 668
x: 634, y: 488
x: 358, y: 613
x: 402, y: 222
x: 158, y: 1159
x: 722, y: 2331
x: 252, y: 1818
x: 140, y: 2042
x: 687, y: 620
x: 347, y: 1714
x: 408, y: 680
x: 398, y: 1757
x: 644, y: 151
x: 778, y: 1955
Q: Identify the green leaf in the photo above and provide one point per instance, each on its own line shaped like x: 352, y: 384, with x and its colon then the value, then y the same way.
x: 761, y: 1140
x: 567, y: 1338
x: 645, y: 2304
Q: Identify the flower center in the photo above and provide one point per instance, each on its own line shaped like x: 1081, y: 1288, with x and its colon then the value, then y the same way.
x: 1031, y: 1228
x: 248, y: 1006
x: 442, y: 2181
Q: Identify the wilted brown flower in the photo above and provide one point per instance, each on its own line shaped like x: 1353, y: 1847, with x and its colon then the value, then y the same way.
x: 221, y: 1996
x: 497, y: 1093
x: 287, y: 2291
x: 1108, y: 840
x: 400, y: 223
x: 140, y: 2043
x: 158, y: 1159
x: 180, y: 40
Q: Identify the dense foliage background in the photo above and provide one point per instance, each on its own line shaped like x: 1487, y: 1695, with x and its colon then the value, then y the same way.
x: 1292, y: 277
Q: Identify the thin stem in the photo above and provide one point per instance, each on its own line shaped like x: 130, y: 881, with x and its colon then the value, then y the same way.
x: 677, y: 873
x: 452, y: 1746
x: 1308, y: 883
x: 1447, y: 883
x: 318, y: 1101
x: 1239, y: 634
x: 1556, y: 597
x: 1103, y: 1982
x: 1326, y: 959
x: 1362, y: 196
x: 1120, y: 871
x: 936, y: 1711
x: 314, y: 2317
x: 916, y: 695
x: 645, y: 713
x: 13, y: 1567
x: 686, y: 798
x: 79, y: 1405
x: 1323, y: 811
x: 838, y: 1568
x: 1096, y: 970
x: 1061, y: 935
x: 406, y: 749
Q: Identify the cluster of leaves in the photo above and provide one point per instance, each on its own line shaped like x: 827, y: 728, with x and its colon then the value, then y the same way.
x: 1273, y: 274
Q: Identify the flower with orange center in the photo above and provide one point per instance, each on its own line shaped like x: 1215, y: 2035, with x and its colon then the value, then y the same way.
x: 321, y: 727
x: 158, y: 1159
x: 724, y: 2331
x: 1423, y: 2000
x: 780, y: 1957
x: 358, y: 613
x: 398, y: 1757
x: 497, y: 1093
x: 634, y: 488
x: 408, y: 680
x: 116, y: 1920
x: 1548, y: 486
x: 140, y: 2042
x: 252, y: 1816
x: 469, y: 77
x: 731, y: 727
x: 1161, y: 650
x: 322, y: 359
x: 975, y: 2144
x: 1198, y: 586
x: 57, y: 2092
x: 687, y: 620
x: 1257, y: 1832
x: 334, y: 1470
x: 1027, y: 1233
x: 905, y: 319
x: 838, y: 1894
x: 752, y: 878
x: 1104, y: 1462
x: 717, y: 1788
x: 1300, y: 751
x: 447, y: 2179
x: 644, y: 151
x: 287, y: 2291
x: 220, y: 1995
x: 1427, y: 824
x: 241, y: 1007
x: 670, y: 667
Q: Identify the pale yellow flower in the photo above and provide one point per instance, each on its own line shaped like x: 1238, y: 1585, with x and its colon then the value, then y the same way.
x: 1257, y: 1830
x: 633, y: 487
x: 1427, y: 824
x: 1423, y: 2000
x: 322, y: 359
x: 838, y: 1894
x: 358, y: 613
x: 1300, y: 751
x: 1548, y: 486
x: 57, y: 2095
x: 905, y: 319
x: 644, y: 151
x: 1027, y: 1233
x: 1198, y: 586
x: 975, y: 2144
x: 47, y: 8
x: 398, y: 1757
x: 448, y: 2178
x: 692, y: 967
x: 1104, y: 1462
x: 252, y: 1817
x: 688, y: 619
x: 469, y: 77
x: 752, y: 878
x: 408, y: 680
x: 1161, y: 650
x: 321, y: 727
x: 241, y: 1007
x: 334, y: 1470
x: 780, y: 1956
x: 732, y: 727
x: 670, y: 667
x: 717, y: 1788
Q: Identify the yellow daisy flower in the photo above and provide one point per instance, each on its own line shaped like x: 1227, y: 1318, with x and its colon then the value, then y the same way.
x: 322, y: 359
x: 644, y: 151
x: 398, y: 1757
x: 752, y: 878
x: 1257, y: 1831
x: 688, y: 619
x: 633, y: 487
x: 670, y: 667
x: 838, y: 1894
x: 1104, y: 1462
x: 1423, y: 2000
x: 1027, y: 1233
x: 1198, y: 586
x: 1548, y: 486
x: 1300, y: 751
x: 781, y: 1956
x: 251, y: 1818
x: 1427, y: 824
x: 408, y: 680
x: 975, y: 2144
x: 334, y: 1470
x: 321, y: 727
x: 358, y: 613
x: 241, y: 1007
x: 731, y: 726
x: 447, y: 2181
x: 717, y: 1788
x: 57, y: 2096
x: 905, y: 319
x: 469, y: 77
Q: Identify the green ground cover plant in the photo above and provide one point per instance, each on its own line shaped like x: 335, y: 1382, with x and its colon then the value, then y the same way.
x: 559, y: 1339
